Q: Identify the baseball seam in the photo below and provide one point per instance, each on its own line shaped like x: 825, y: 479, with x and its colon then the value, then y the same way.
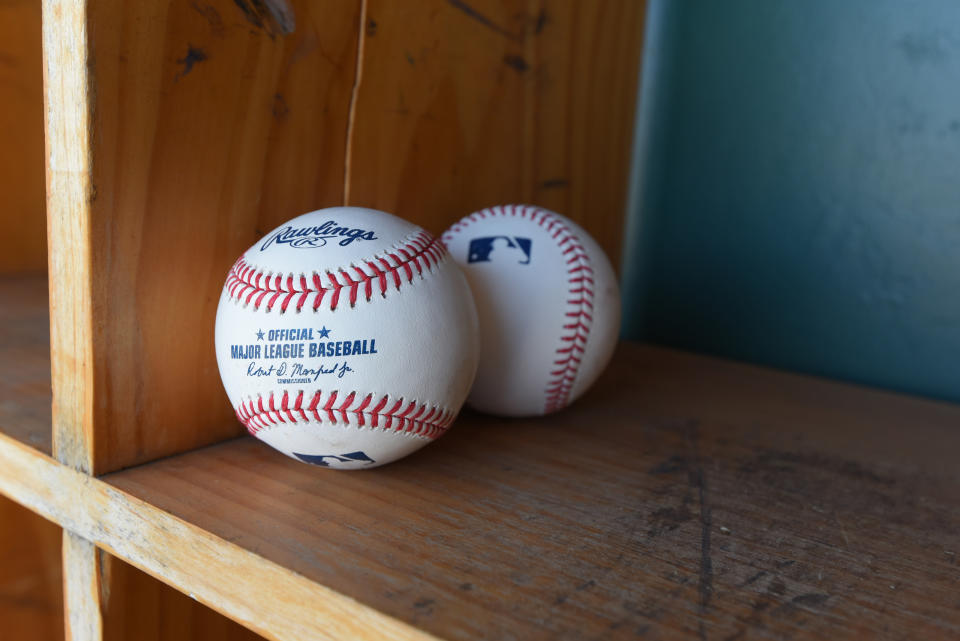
x: 578, y: 316
x: 399, y: 416
x: 418, y: 253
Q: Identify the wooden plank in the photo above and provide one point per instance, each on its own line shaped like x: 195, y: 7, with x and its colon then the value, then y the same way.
x: 31, y: 602
x: 22, y: 220
x: 81, y: 589
x: 69, y: 194
x: 25, y: 360
x: 277, y: 602
x: 178, y: 133
x: 464, y: 105
x: 683, y: 496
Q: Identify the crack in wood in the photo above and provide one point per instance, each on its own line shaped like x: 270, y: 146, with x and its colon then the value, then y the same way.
x: 352, y: 108
x: 698, y: 481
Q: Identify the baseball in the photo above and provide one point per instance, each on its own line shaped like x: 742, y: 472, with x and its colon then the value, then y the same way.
x: 346, y: 338
x: 548, y: 303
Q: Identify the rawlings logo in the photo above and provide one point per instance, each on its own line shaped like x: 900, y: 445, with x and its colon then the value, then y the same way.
x: 305, y: 237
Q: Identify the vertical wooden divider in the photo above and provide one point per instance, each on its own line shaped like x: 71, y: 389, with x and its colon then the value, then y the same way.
x: 465, y: 105
x: 177, y: 133
x: 81, y: 589
x: 67, y: 104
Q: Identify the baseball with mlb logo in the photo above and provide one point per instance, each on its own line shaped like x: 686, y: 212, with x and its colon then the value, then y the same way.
x: 346, y: 338
x: 548, y: 303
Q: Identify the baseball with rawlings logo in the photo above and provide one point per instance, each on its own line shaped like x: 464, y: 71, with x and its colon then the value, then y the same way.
x: 346, y: 338
x: 548, y: 303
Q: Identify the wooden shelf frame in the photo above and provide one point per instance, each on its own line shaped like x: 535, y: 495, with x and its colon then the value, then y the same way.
x: 682, y: 496
x: 261, y: 595
x: 176, y: 133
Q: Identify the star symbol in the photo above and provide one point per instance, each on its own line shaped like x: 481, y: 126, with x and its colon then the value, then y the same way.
x: 259, y: 334
x: 324, y: 333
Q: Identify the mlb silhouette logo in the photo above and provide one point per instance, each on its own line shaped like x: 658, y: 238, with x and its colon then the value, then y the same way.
x: 499, y: 248
x: 321, y: 459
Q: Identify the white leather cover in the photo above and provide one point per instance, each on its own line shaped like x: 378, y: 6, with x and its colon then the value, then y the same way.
x: 346, y: 338
x: 548, y: 303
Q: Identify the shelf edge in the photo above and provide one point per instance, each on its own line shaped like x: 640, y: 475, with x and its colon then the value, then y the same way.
x: 269, y: 599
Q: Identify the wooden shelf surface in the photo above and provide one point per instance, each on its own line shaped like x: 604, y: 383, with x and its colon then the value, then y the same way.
x: 683, y: 496
x: 25, y: 360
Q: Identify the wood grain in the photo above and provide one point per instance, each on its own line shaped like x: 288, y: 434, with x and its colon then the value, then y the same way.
x: 277, y: 602
x: 25, y: 360
x: 178, y: 134
x: 682, y: 497
x: 81, y: 590
x: 461, y: 105
x: 22, y: 220
x: 69, y: 195
x: 31, y: 603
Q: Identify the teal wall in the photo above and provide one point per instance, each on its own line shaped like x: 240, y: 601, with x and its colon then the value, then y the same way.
x: 797, y: 188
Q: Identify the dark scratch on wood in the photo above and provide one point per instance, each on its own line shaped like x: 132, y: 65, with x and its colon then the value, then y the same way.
x: 542, y: 19
x: 759, y: 575
x: 280, y: 108
x: 698, y: 480
x: 554, y: 183
x: 194, y: 55
x: 271, y: 16
x: 484, y: 20
x: 516, y: 62
x: 212, y: 16
x: 667, y: 519
x: 813, y: 600
x: 673, y: 464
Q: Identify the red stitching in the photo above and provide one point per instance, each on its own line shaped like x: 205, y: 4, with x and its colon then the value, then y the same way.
x: 248, y: 285
x: 408, y: 417
x: 579, y: 315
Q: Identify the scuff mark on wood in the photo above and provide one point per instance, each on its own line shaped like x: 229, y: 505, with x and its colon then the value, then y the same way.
x: 212, y: 16
x: 754, y: 578
x: 813, y: 600
x: 194, y: 55
x: 516, y: 62
x: 484, y: 20
x: 542, y: 19
x: 271, y: 16
x: 555, y: 183
x: 280, y: 107
x: 371, y: 27
x: 667, y: 519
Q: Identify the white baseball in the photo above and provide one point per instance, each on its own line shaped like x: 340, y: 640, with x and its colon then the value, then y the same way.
x: 346, y: 338
x: 548, y: 303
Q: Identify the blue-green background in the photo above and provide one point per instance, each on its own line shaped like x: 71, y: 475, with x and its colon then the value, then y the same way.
x: 796, y: 198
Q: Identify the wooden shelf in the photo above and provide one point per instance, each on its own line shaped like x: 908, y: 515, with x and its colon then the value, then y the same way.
x: 683, y: 494
x: 25, y: 392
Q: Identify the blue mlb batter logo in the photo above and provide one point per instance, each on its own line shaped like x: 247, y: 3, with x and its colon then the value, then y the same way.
x: 499, y: 248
